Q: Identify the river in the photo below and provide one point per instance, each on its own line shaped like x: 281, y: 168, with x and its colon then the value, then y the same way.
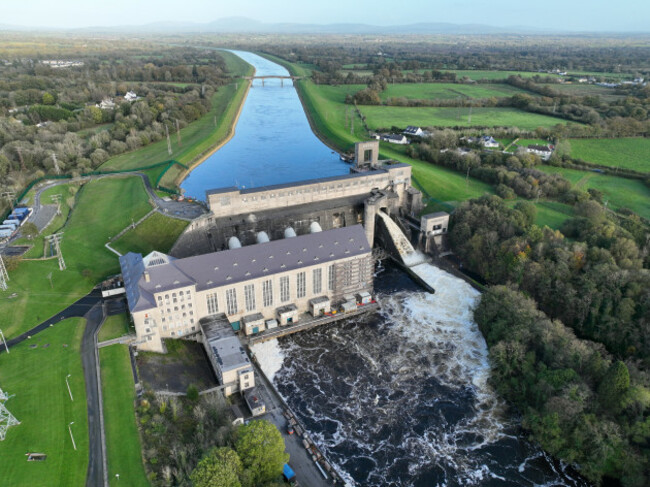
x: 273, y: 142
x: 397, y: 398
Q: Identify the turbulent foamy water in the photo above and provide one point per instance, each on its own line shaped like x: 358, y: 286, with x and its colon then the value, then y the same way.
x: 402, y: 398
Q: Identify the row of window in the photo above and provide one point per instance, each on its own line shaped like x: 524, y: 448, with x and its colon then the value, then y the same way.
x: 316, y: 189
x: 212, y: 301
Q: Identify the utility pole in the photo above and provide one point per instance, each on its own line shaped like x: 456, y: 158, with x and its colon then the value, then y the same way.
x: 467, y: 178
x: 469, y: 117
x: 49, y: 276
x: 20, y: 157
x: 4, y: 275
x: 56, y: 198
x: 4, y: 341
x: 178, y: 133
x: 169, y: 142
x: 55, y: 239
x: 352, y: 125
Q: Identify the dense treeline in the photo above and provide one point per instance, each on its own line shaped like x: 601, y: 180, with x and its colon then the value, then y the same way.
x: 578, y: 402
x: 577, y: 396
x: 49, y: 120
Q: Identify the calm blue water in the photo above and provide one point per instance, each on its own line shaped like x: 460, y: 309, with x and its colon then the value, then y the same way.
x: 273, y: 142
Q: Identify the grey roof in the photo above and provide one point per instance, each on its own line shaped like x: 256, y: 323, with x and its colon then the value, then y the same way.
x: 236, y: 265
x: 319, y: 300
x: 227, y: 189
x: 225, y: 346
x: 289, y: 308
x: 253, y: 318
x: 411, y: 129
x: 437, y: 214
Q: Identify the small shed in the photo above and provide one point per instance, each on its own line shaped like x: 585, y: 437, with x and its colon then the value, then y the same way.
x: 253, y: 324
x: 287, y: 314
x: 319, y: 305
x: 255, y: 402
x: 364, y: 297
x: 238, y: 415
x: 348, y: 306
x: 270, y: 324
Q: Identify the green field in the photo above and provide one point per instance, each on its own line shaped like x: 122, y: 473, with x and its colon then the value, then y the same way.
x: 42, y: 404
x: 123, y: 449
x: 104, y: 207
x: 114, y: 327
x: 157, y: 232
x: 584, y: 89
x: 448, y: 91
x: 618, y: 192
x: 493, y: 75
x: 549, y: 213
x: 197, y: 138
x: 386, y: 117
x: 628, y: 153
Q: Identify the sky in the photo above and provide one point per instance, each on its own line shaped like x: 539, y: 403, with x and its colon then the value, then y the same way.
x: 573, y: 15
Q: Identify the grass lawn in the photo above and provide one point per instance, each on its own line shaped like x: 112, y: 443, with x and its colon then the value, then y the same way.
x: 446, y: 91
x: 42, y: 404
x: 114, y: 327
x: 386, y: 117
x: 583, y: 89
x: 629, y: 153
x: 618, y: 192
x: 158, y: 232
x: 104, y: 207
x: 549, y: 213
x: 123, y: 449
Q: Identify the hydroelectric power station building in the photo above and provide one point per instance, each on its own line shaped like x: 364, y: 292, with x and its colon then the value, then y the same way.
x: 270, y: 255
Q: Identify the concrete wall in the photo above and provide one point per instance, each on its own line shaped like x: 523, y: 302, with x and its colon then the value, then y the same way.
x: 230, y: 202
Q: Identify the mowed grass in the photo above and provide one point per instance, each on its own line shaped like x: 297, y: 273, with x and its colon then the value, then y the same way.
x: 158, y: 232
x: 549, y: 213
x: 123, y: 448
x: 114, y: 327
x: 448, y: 91
x: 42, y: 404
x: 385, y: 117
x: 104, y: 207
x: 628, y: 153
x: 199, y: 137
x: 618, y: 192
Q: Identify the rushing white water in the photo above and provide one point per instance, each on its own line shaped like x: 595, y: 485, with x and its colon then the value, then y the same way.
x: 402, y: 398
x: 409, y: 255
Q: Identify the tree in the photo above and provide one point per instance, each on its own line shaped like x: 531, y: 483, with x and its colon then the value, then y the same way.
x: 261, y: 449
x: 221, y: 467
x: 48, y: 98
x: 615, y: 385
x: 29, y: 230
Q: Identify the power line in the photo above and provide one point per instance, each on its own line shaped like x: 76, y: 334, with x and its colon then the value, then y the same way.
x: 4, y: 275
x: 56, y: 198
x: 55, y: 240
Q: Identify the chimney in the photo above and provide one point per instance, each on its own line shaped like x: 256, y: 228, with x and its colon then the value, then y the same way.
x: 147, y: 278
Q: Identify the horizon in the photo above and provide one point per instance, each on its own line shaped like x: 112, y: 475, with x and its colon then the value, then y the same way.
x: 553, y: 16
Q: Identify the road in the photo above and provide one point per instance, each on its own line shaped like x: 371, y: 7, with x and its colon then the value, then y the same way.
x: 306, y: 471
x: 96, y: 475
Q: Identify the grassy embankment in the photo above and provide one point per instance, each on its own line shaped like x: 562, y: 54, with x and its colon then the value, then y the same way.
x: 157, y: 232
x: 618, y: 192
x: 200, y: 138
x: 123, y: 448
x: 42, y: 404
x: 103, y: 208
x: 628, y: 153
x: 114, y: 327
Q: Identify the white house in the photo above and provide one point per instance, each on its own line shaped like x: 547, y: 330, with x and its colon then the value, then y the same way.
x: 131, y: 96
x: 399, y: 139
x: 488, y: 142
x: 413, y: 131
x: 543, y: 151
x: 106, y: 104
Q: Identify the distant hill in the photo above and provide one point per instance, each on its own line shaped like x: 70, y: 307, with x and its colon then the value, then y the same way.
x: 246, y: 25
